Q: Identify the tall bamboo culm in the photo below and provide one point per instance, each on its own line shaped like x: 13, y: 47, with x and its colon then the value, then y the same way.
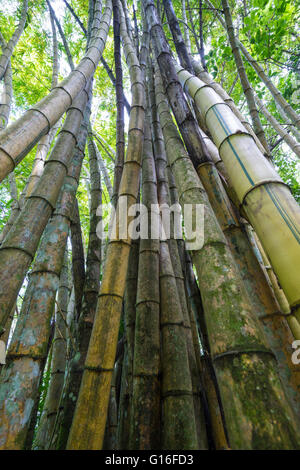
x: 265, y: 199
x: 19, y: 138
x: 88, y: 424
x: 227, y: 313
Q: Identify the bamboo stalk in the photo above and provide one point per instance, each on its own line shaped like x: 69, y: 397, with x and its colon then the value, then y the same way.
x: 164, y: 199
x: 207, y: 78
x: 127, y: 372
x: 177, y: 36
x: 212, y: 394
x: 104, y: 172
x: 19, y: 138
x: 89, y: 302
x: 187, y: 39
x: 267, y: 202
x: 9, y: 47
x: 145, y: 410
x: 28, y: 347
x: 78, y: 261
x: 120, y: 138
x: 44, y: 437
x: 19, y: 247
x: 178, y: 415
x: 88, y: 424
x: 291, y: 142
x: 237, y: 343
x: 6, y: 97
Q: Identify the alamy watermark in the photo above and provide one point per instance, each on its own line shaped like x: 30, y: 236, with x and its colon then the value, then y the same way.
x: 157, y: 222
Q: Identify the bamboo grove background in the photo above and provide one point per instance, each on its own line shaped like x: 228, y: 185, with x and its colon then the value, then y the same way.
x: 140, y: 344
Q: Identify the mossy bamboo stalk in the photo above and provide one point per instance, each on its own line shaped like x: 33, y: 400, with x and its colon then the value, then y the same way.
x: 88, y: 424
x: 28, y: 347
x: 212, y: 394
x: 34, y: 414
x: 265, y: 199
x: 9, y: 47
x: 120, y: 138
x: 19, y: 247
x: 89, y: 301
x: 44, y: 437
x: 145, y: 409
x: 164, y: 199
x: 237, y: 344
x: 179, y: 430
x: 261, y: 296
x: 19, y: 138
x: 129, y: 319
x: 215, y: 418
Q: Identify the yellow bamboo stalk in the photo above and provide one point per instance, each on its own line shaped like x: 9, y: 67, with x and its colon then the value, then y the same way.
x: 266, y: 200
x: 89, y: 421
x: 18, y: 138
x: 207, y: 78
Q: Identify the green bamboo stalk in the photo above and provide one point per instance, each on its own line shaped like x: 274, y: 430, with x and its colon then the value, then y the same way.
x: 127, y: 372
x: 145, y: 410
x: 164, y: 199
x: 104, y: 172
x: 19, y: 138
x: 207, y: 78
x: 237, y: 344
x: 89, y: 301
x: 9, y: 47
x: 88, y: 424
